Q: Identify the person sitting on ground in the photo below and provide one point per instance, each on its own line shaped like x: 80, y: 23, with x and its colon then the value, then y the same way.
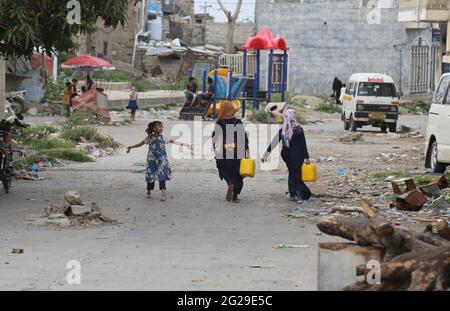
x: 191, y: 91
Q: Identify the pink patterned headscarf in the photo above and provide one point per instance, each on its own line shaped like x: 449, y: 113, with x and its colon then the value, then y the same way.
x: 289, y: 125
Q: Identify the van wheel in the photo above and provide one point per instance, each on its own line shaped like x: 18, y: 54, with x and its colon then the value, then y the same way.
x: 384, y: 128
x: 346, y: 123
x: 435, y: 165
x: 393, y: 127
x: 353, y: 125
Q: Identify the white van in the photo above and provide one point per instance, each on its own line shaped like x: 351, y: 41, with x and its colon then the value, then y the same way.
x: 437, y: 148
x: 370, y: 99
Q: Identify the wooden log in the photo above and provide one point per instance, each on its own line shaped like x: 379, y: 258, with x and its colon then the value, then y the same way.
x: 443, y: 229
x: 359, y: 230
x: 381, y: 226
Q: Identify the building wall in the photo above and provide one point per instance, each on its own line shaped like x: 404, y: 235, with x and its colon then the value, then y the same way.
x: 185, y: 7
x: 216, y: 33
x: 329, y: 38
x: 119, y: 42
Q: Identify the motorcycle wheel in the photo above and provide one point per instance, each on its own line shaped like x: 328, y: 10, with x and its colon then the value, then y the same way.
x: 6, y: 181
x: 18, y: 106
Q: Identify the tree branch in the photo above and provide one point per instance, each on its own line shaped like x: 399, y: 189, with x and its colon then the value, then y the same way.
x: 237, y: 10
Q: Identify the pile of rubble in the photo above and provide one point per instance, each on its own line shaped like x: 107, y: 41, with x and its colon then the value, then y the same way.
x: 71, y: 212
x: 351, y: 138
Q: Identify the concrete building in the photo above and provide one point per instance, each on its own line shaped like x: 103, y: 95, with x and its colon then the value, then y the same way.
x: 118, y: 44
x: 329, y: 38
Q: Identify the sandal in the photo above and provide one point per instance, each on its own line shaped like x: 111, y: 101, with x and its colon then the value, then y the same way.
x: 148, y: 195
x: 236, y: 199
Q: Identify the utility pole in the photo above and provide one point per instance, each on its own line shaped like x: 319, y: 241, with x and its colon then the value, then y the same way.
x: 205, y: 8
x: 2, y: 88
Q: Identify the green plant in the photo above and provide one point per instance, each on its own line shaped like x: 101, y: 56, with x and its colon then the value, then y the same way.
x: 384, y: 175
x: 419, y: 106
x: 71, y: 154
x: 55, y: 90
x: 260, y: 116
x: 327, y: 105
x: 48, y: 143
x: 38, y: 129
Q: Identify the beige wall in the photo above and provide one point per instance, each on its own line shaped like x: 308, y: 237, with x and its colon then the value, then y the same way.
x: 2, y: 89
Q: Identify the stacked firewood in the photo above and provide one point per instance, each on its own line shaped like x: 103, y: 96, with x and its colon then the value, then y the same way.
x: 410, y: 260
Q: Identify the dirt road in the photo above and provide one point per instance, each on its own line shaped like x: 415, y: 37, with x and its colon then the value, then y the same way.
x: 195, y: 240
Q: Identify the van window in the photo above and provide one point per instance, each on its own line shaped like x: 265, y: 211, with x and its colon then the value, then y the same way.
x: 442, y: 89
x: 377, y: 89
x: 351, y: 89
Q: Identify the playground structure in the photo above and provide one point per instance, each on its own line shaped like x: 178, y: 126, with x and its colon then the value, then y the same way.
x: 243, y: 86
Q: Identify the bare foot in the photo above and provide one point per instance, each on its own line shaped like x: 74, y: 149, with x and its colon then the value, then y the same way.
x: 163, y: 196
x: 148, y: 195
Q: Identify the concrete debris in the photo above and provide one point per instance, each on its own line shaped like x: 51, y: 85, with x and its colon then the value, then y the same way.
x: 61, y: 213
x: 411, y: 201
x: 73, y: 197
x: 78, y: 210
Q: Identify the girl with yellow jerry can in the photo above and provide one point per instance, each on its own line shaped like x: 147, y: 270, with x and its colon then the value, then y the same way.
x: 295, y: 155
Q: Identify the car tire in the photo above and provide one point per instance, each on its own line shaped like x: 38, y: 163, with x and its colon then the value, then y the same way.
x: 384, y: 128
x: 393, y: 127
x: 353, y: 125
x: 435, y: 165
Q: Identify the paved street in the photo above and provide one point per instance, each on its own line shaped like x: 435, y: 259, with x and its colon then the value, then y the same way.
x: 194, y: 241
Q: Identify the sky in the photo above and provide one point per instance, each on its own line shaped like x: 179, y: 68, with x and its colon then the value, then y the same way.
x: 247, y: 11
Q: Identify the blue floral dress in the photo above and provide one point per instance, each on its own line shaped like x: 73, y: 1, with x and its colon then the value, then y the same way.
x: 158, y: 168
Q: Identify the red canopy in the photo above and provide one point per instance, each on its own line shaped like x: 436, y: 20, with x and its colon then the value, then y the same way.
x: 265, y: 40
x: 87, y: 62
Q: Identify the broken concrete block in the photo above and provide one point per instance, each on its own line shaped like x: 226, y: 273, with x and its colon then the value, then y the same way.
x: 409, y: 182
x: 431, y: 190
x: 79, y: 210
x: 95, y: 207
x: 57, y: 207
x: 73, y: 197
x: 411, y: 201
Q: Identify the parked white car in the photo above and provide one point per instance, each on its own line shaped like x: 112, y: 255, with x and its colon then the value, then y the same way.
x: 370, y: 99
x: 438, y: 131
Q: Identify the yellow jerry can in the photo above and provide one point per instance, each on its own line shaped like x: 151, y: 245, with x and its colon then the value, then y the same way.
x: 248, y: 168
x: 279, y: 119
x: 309, y: 172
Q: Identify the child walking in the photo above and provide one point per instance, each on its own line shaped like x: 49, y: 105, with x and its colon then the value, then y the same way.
x: 158, y: 168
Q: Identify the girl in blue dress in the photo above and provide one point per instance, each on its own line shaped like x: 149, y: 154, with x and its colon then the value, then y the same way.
x: 158, y: 168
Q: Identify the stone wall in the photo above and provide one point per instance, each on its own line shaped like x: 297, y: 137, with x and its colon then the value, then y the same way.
x: 329, y: 38
x: 217, y: 32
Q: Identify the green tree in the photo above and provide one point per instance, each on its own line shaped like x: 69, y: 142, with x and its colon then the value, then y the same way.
x: 27, y: 24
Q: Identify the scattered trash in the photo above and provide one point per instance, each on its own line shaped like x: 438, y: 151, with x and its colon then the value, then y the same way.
x: 351, y: 138
x: 17, y: 251
x: 261, y: 267
x: 285, y: 246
